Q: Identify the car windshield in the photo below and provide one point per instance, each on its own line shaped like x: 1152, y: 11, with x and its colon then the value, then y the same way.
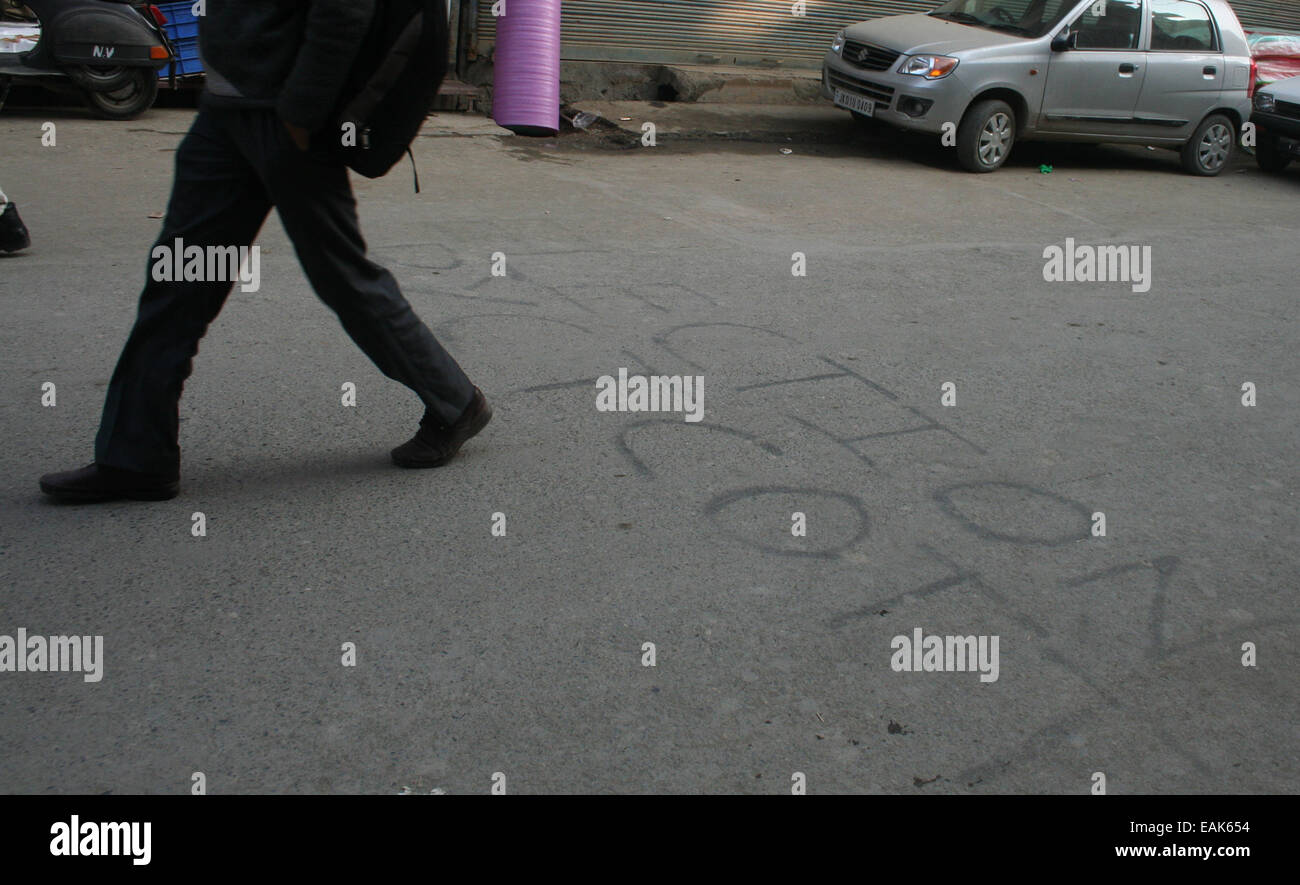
x: 1024, y: 18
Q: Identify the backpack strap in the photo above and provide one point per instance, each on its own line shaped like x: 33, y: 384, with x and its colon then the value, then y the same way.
x: 415, y: 173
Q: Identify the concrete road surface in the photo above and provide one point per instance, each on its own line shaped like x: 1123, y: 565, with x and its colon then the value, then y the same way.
x: 920, y: 436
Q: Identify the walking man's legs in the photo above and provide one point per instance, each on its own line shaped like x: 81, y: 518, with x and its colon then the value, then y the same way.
x: 13, y: 233
x: 230, y: 169
x: 314, y: 200
x: 217, y: 200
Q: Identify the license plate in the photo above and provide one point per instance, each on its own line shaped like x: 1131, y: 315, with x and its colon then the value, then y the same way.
x: 864, y: 106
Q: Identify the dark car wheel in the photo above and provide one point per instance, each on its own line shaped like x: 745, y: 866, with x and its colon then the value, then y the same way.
x: 1210, y: 149
x: 129, y: 101
x: 986, y: 135
x: 97, y: 79
x: 1269, y: 157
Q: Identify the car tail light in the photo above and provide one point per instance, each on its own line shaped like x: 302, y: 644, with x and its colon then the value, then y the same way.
x: 1254, y: 78
x: 157, y: 15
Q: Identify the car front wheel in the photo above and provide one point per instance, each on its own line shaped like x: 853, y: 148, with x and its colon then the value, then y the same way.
x: 863, y: 122
x: 986, y: 136
x: 1210, y: 149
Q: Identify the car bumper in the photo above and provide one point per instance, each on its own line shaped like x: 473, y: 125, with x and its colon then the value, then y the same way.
x: 901, y: 100
x: 1286, y: 129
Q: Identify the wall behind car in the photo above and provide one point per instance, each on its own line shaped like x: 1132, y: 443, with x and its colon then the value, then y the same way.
x: 1268, y: 15
x: 752, y: 32
x: 708, y: 32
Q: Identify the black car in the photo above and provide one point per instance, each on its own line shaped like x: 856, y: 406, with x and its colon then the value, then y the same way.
x: 1277, y: 124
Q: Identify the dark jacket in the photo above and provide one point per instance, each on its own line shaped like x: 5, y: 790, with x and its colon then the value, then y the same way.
x: 292, y: 55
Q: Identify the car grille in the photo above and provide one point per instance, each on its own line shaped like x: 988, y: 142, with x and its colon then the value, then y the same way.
x: 877, y: 92
x: 1288, y: 109
x: 868, y: 57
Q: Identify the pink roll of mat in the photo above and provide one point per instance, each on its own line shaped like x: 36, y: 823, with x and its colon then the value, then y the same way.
x: 526, y: 92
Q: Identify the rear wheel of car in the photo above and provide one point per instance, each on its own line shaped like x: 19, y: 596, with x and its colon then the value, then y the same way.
x: 1210, y: 148
x: 986, y: 136
x: 1269, y: 157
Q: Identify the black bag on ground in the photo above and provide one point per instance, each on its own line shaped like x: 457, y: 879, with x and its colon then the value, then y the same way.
x: 393, y: 83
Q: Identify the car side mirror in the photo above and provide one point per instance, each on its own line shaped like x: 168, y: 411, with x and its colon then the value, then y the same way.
x: 1063, y: 41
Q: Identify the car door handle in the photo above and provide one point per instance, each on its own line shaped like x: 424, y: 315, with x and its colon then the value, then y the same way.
x: 1128, y: 68
x: 1209, y: 70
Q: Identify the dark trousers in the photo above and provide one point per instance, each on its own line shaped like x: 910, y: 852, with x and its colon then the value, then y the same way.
x: 231, y: 168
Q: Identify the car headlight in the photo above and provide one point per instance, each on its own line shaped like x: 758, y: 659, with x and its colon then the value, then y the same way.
x: 931, y: 67
x: 1265, y: 102
x: 837, y: 45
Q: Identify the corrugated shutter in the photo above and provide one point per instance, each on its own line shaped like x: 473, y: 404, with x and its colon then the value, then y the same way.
x: 726, y: 32
x: 1268, y: 15
x: 755, y: 32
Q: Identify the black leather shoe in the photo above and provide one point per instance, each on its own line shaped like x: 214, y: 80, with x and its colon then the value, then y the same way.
x: 97, y: 482
x: 434, y: 446
x: 13, y: 233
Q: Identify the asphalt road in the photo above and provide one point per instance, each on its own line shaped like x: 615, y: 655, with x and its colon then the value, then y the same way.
x: 523, y: 655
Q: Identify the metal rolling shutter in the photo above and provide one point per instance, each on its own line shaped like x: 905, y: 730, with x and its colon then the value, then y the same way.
x: 724, y: 32
x: 755, y: 32
x: 1268, y: 15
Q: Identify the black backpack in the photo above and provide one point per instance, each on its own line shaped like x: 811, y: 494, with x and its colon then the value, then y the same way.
x: 392, y: 84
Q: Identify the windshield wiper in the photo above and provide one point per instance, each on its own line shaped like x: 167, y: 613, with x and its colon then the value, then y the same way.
x: 1015, y: 29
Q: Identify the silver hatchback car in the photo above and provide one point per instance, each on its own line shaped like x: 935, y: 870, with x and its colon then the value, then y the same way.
x: 982, y: 74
